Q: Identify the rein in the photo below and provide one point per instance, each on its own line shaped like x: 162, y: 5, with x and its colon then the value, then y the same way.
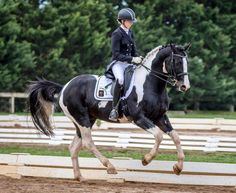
x: 171, y: 78
x: 157, y: 74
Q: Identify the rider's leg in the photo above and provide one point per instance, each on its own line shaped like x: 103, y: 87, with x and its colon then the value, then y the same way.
x: 117, y: 93
x: 118, y: 71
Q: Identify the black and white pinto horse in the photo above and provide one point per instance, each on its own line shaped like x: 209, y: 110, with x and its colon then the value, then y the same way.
x: 147, y: 104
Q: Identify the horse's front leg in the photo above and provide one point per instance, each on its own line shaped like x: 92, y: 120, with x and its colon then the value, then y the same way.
x: 178, y: 167
x: 166, y: 126
x: 150, y: 127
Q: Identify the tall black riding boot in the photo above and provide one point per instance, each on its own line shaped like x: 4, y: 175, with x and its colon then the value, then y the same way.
x: 116, y: 98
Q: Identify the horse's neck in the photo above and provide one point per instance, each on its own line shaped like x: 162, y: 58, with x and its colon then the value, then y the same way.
x: 140, y: 71
x: 141, y: 75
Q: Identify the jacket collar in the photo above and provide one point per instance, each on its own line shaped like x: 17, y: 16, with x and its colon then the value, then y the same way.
x: 125, y: 29
x: 126, y: 35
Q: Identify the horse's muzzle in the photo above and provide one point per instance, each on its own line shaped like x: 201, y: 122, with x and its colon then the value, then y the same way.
x: 182, y: 87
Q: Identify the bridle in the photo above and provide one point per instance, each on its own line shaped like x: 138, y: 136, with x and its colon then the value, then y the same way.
x: 172, y: 76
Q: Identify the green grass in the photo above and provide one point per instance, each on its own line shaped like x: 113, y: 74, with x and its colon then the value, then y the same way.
x: 203, y: 114
x: 176, y: 114
x: 109, y: 153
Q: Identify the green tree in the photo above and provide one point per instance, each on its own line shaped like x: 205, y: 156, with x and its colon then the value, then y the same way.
x: 67, y: 37
x: 162, y: 22
x: 223, y: 14
x: 16, y: 58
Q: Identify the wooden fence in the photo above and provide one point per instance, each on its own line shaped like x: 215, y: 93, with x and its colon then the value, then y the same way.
x: 194, y: 173
x: 180, y: 124
x: 17, y: 130
x: 12, y: 97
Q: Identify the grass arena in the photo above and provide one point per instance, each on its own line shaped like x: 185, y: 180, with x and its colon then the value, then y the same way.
x: 30, y: 162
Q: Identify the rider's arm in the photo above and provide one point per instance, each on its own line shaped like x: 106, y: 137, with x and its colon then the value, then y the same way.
x: 115, y: 44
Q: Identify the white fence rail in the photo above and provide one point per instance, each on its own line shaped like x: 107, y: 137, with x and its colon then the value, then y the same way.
x: 20, y: 133
x: 128, y: 170
x: 120, y: 140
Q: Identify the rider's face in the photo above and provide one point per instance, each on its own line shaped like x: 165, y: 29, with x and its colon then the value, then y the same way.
x: 128, y: 23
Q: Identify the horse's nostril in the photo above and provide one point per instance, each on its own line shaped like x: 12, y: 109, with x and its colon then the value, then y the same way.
x: 183, y: 87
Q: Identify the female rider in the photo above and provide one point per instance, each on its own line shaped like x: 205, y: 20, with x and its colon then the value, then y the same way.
x: 124, y: 53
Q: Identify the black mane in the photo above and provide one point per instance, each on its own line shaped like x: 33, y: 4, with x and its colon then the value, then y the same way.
x: 170, y: 45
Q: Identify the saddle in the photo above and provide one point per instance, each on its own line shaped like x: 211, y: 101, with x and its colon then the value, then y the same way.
x: 104, y: 88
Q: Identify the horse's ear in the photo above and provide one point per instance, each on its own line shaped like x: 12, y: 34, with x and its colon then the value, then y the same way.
x: 187, y: 46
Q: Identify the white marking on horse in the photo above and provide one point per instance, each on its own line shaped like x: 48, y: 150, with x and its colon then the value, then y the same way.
x: 102, y: 104
x: 74, y: 149
x: 158, y: 135
x: 63, y: 107
x: 164, y: 68
x: 141, y: 73
x: 87, y: 142
x: 185, y: 69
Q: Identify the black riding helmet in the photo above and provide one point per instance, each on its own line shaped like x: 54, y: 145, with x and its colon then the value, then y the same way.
x: 126, y: 14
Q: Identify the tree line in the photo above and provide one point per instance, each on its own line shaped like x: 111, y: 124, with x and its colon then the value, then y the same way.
x: 64, y: 38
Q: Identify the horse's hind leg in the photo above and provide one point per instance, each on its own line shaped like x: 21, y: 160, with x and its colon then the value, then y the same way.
x: 88, y: 143
x: 78, y: 112
x: 165, y: 125
x: 74, y: 149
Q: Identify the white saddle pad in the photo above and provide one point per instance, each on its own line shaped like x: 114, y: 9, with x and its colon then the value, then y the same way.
x: 103, y: 86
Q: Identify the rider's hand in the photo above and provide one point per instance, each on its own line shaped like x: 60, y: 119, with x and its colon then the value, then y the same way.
x: 137, y: 60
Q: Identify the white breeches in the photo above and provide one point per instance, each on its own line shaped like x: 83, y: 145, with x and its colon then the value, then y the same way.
x: 118, y: 70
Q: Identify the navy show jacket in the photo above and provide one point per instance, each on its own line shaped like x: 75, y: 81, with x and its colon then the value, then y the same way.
x: 123, y: 46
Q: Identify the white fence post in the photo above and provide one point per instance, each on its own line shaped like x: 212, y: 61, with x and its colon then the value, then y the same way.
x: 218, y: 123
x: 12, y: 104
x: 123, y: 140
x: 212, y: 144
x: 56, y: 139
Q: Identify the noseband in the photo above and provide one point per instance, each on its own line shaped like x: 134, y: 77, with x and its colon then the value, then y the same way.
x: 172, y: 77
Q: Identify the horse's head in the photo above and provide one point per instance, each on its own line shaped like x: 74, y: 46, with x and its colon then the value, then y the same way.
x: 176, y: 65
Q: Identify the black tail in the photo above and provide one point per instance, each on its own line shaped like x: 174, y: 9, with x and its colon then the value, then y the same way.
x: 41, y: 102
